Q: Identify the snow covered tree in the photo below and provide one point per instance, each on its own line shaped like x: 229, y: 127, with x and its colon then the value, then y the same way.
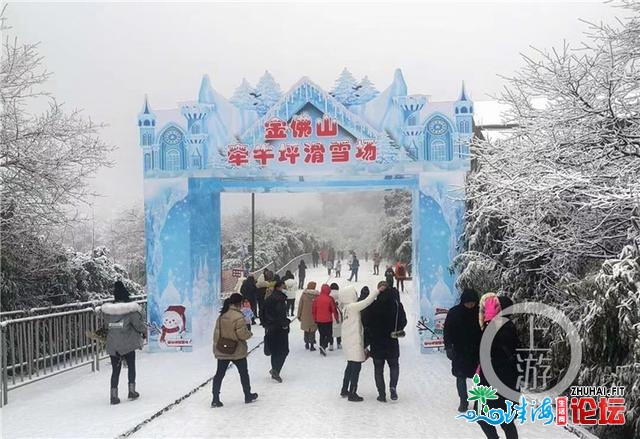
x: 245, y: 96
x: 45, y: 161
x: 345, y: 89
x: 558, y: 191
x: 609, y: 329
x: 267, y: 93
x: 397, y: 228
x: 125, y: 238
x: 364, y: 92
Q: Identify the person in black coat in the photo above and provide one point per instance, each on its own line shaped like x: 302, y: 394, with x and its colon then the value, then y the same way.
x: 276, y: 327
x: 382, y: 320
x: 462, y: 336
x: 250, y: 292
x: 302, y: 273
x: 504, y: 361
x: 389, y: 275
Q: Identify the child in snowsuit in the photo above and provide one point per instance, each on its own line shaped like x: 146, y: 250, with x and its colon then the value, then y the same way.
x: 247, y: 312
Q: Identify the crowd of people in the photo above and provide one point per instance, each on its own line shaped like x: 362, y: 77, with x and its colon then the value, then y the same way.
x: 364, y: 325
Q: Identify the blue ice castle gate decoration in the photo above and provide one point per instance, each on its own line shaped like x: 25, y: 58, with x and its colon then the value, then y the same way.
x: 307, y: 139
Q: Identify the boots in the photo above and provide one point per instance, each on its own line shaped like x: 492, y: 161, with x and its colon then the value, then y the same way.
x: 344, y: 392
x: 306, y: 346
x: 216, y: 401
x: 393, y: 393
x: 114, y: 396
x: 313, y: 347
x: 132, y: 391
x: 250, y: 397
x: 463, y: 407
x: 353, y: 396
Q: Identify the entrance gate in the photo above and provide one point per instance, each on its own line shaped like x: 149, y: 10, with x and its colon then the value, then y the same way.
x: 300, y: 141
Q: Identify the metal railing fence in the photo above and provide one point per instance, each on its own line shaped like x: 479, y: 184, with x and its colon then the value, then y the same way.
x: 40, y: 346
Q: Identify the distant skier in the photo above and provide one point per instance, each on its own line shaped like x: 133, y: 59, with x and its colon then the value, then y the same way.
x: 276, y: 327
x: 353, y: 339
x: 125, y: 331
x: 305, y: 315
x: 302, y: 273
x: 354, y: 266
x: 462, y: 336
x: 385, y: 321
x: 324, y: 313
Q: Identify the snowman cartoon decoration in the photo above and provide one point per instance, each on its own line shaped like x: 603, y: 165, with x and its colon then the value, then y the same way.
x: 174, y: 324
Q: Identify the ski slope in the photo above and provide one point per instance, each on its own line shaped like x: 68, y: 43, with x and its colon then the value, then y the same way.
x: 306, y: 404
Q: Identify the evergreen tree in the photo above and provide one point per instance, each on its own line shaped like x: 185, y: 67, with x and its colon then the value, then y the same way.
x: 245, y: 96
x: 365, y: 91
x: 345, y: 89
x: 267, y: 93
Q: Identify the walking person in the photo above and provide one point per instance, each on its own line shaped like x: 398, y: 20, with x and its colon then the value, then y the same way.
x: 290, y: 291
x: 276, y: 327
x: 329, y: 267
x: 324, y: 313
x: 302, y: 273
x: 354, y: 266
x: 462, y: 336
x: 250, y: 292
x: 336, y: 327
x: 389, y: 275
x: 385, y: 320
x: 503, y: 359
x: 376, y: 263
x: 401, y: 275
x: 314, y: 257
x: 353, y: 339
x: 125, y: 331
x: 261, y: 290
x: 305, y: 316
x: 230, y: 346
x: 338, y: 268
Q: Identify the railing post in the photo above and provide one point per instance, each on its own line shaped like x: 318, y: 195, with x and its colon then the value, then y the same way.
x: 4, y: 379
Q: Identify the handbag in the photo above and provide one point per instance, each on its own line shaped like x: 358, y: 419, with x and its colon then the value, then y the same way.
x: 225, y: 345
x: 395, y: 333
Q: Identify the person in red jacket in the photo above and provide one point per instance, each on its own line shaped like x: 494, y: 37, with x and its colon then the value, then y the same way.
x: 324, y: 313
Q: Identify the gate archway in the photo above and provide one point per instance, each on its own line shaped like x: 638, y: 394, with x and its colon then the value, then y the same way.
x: 305, y: 140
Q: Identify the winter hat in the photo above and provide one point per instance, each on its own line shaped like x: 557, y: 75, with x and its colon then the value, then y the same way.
x: 180, y: 311
x: 489, y: 308
x: 334, y: 286
x: 324, y: 289
x: 311, y: 285
x: 120, y: 293
x: 468, y: 295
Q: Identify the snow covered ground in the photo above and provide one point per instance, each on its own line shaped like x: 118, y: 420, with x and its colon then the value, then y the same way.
x: 306, y: 404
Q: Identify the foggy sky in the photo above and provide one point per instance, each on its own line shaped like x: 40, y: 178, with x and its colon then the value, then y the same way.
x: 106, y: 56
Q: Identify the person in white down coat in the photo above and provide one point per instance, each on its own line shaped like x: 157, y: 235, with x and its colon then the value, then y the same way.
x: 336, y: 330
x: 353, y: 339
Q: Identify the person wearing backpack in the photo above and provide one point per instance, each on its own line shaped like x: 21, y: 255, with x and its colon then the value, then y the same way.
x: 385, y: 320
x: 125, y: 332
x: 230, y: 346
